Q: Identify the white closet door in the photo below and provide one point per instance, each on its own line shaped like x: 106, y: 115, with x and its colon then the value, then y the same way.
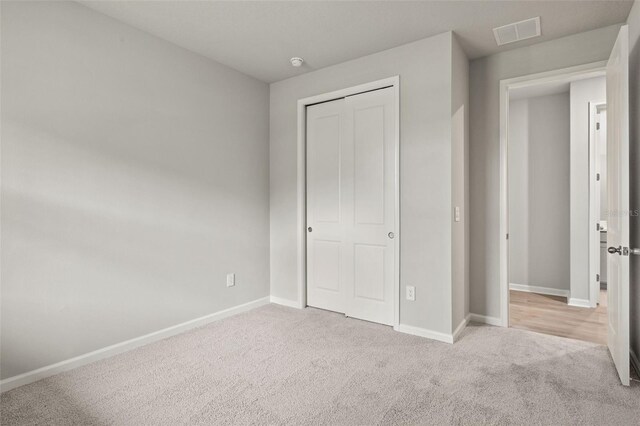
x: 351, y: 206
x: 325, y: 198
x: 369, y: 194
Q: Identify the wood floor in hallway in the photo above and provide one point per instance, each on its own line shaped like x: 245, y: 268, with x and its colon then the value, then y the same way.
x: 551, y: 315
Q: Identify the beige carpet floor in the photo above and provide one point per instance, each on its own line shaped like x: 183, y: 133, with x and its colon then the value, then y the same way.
x: 277, y: 365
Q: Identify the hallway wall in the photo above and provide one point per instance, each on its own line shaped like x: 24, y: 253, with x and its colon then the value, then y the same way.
x: 539, y: 191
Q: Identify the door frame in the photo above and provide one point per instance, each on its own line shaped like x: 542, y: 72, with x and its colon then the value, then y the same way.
x: 302, y: 182
x: 584, y: 71
x: 594, y: 239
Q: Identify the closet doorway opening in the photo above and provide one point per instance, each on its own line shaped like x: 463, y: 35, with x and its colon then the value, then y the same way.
x: 348, y: 216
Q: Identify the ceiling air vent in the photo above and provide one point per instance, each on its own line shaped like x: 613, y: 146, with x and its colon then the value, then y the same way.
x: 517, y: 31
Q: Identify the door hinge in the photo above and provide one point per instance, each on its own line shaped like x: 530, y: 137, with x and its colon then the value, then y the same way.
x: 597, y: 176
x: 598, y: 277
x: 507, y: 236
x: 597, y: 226
x: 597, y: 126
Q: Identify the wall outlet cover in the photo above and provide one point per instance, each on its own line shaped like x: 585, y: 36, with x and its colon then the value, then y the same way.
x: 411, y: 293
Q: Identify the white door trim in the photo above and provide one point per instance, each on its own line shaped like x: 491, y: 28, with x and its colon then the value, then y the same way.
x: 583, y: 71
x: 594, y: 240
x: 302, y: 183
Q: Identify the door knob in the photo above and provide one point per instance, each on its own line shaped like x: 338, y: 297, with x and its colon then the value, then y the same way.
x: 391, y: 235
x: 614, y: 250
x: 310, y: 229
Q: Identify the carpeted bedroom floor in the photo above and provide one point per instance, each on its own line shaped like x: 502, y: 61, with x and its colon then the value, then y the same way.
x: 277, y: 365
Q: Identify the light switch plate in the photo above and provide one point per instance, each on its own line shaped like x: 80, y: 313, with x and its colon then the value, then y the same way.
x: 231, y: 280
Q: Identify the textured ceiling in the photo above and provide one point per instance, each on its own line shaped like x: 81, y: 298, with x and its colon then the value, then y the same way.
x: 258, y: 38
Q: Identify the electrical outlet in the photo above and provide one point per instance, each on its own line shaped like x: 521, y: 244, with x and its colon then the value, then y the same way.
x: 231, y: 280
x: 411, y: 293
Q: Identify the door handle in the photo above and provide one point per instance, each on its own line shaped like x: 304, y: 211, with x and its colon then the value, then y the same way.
x: 614, y: 250
x: 310, y: 229
x: 391, y: 235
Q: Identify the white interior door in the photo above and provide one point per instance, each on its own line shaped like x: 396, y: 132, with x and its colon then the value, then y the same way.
x: 351, y: 206
x: 618, y: 203
x: 325, y: 206
x: 370, y: 200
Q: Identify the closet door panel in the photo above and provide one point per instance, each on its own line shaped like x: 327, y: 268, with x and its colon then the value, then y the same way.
x: 325, y: 232
x: 369, y: 154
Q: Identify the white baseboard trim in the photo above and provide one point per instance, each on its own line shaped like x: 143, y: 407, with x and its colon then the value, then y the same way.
x: 460, y: 328
x: 581, y: 303
x: 483, y: 319
x: 285, y: 302
x: 423, y: 332
x: 635, y: 362
x: 69, y: 364
x: 540, y: 290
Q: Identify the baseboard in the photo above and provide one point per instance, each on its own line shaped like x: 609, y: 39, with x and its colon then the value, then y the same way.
x: 581, y: 303
x: 285, y: 302
x: 539, y: 290
x: 69, y: 364
x: 423, y: 332
x: 483, y: 319
x: 635, y: 362
x: 460, y: 328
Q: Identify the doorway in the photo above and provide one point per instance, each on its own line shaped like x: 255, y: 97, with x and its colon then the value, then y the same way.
x: 616, y: 70
x: 556, y: 153
x: 350, y: 141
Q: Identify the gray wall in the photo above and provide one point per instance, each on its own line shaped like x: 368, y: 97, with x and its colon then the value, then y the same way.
x: 485, y: 76
x: 134, y: 177
x: 549, y: 191
x: 425, y: 74
x: 634, y: 75
x: 582, y: 93
x: 519, y: 191
x: 460, y: 182
x: 540, y: 205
